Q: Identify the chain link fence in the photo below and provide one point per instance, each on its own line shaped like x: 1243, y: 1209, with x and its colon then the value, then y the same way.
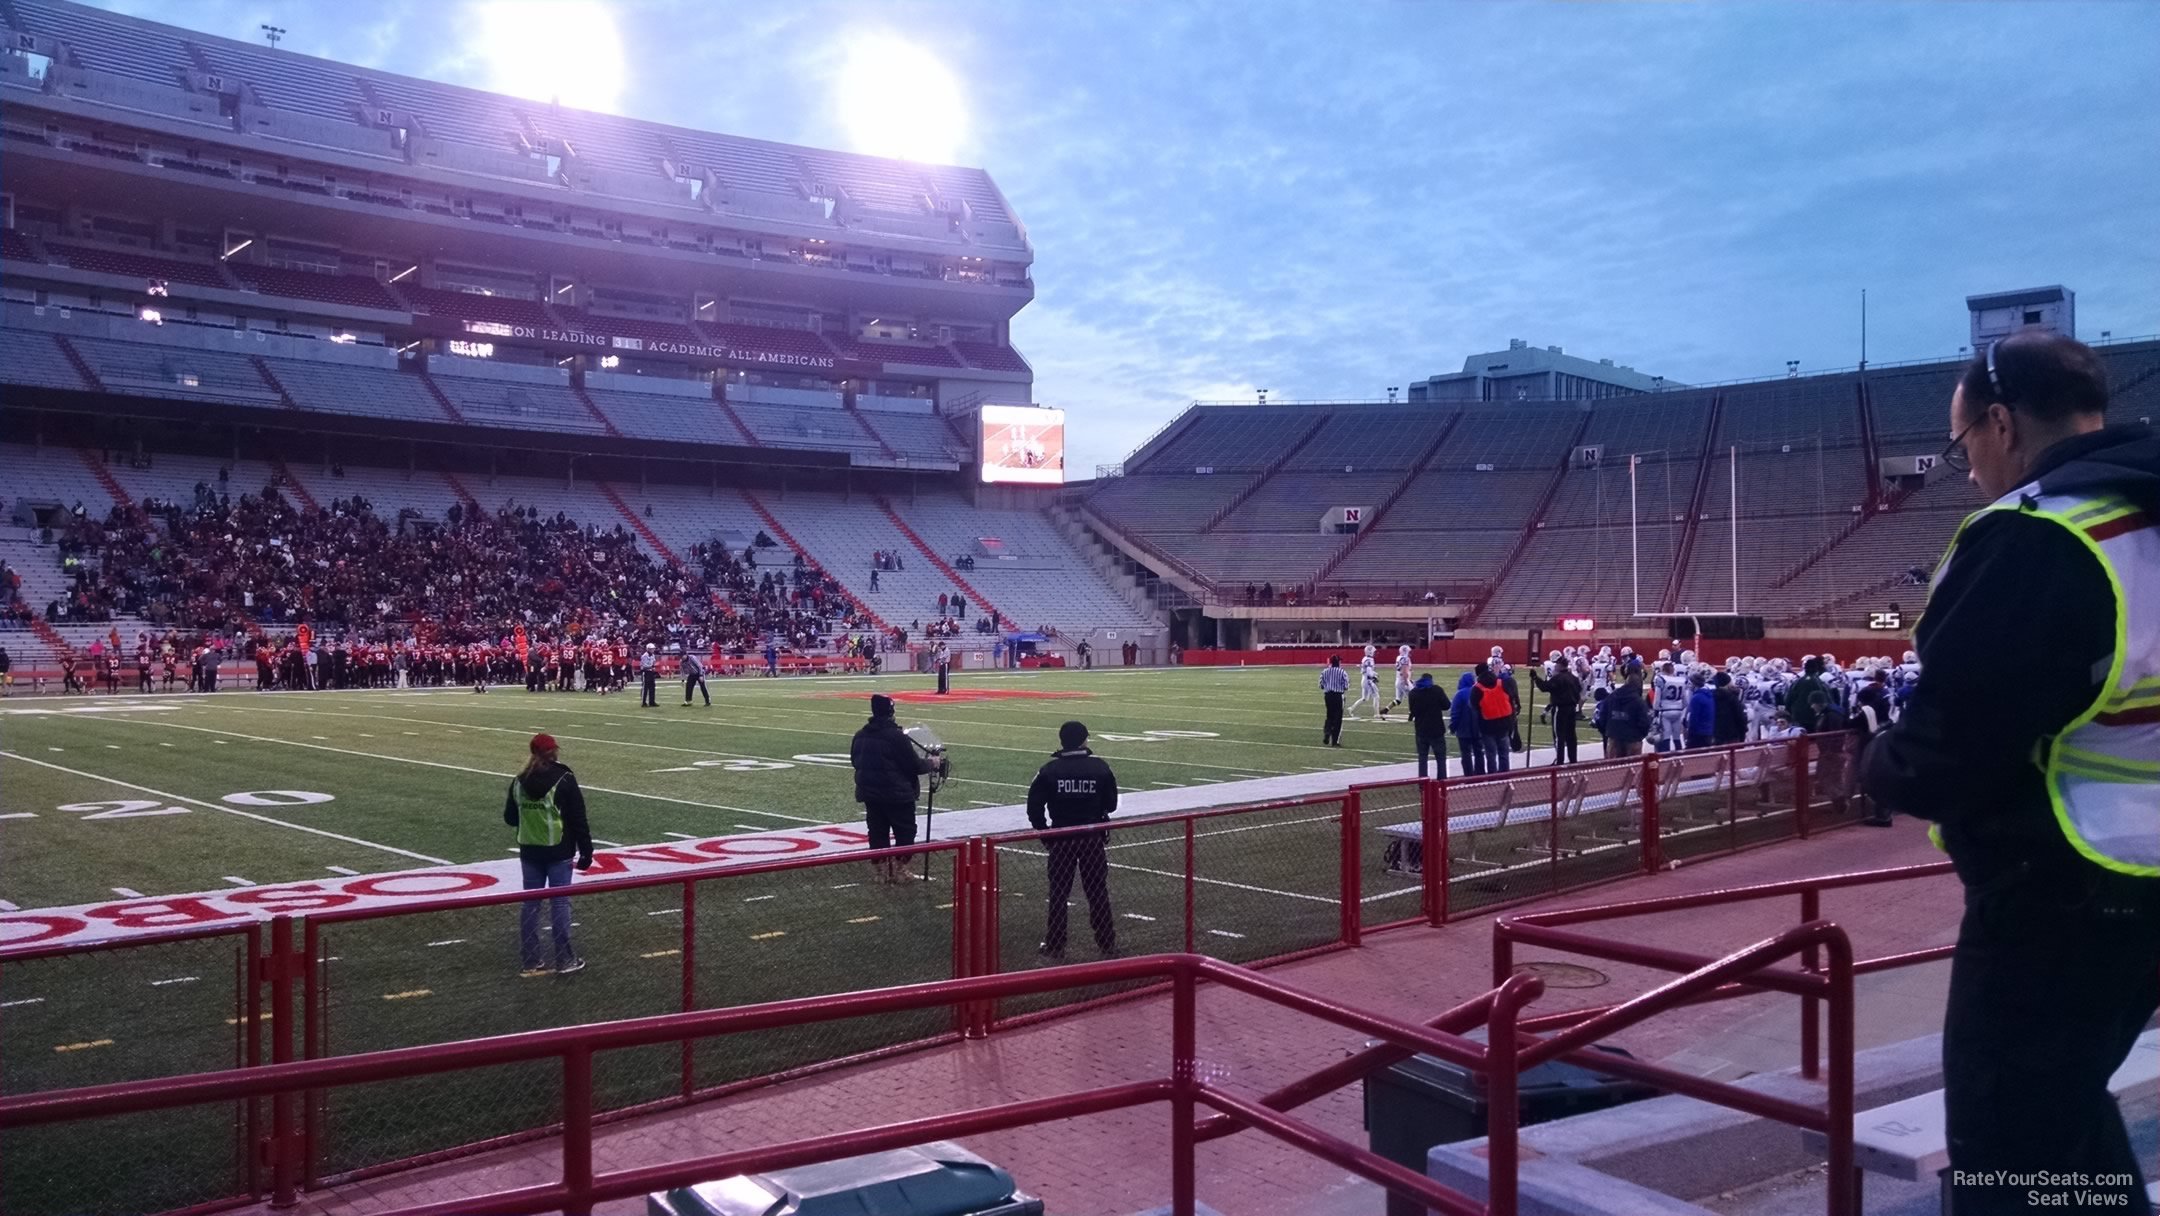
x: 128, y: 1011
x: 1246, y: 885
x: 1391, y: 852
x: 823, y: 926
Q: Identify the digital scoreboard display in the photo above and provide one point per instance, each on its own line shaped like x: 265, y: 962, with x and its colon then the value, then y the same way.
x: 1023, y: 445
x: 1578, y: 624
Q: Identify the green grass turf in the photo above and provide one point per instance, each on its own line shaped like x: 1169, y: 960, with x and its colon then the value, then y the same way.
x: 419, y: 778
x: 424, y: 775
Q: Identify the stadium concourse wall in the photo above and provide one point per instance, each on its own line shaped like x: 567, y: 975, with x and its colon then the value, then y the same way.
x: 1253, y: 885
x: 1465, y: 649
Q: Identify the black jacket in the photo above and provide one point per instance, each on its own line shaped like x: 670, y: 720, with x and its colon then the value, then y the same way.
x: 1429, y: 710
x: 888, y: 768
x: 1627, y: 715
x: 1563, y: 692
x: 569, y: 799
x: 1729, y: 716
x: 1800, y: 699
x: 1075, y: 788
x: 2014, y: 642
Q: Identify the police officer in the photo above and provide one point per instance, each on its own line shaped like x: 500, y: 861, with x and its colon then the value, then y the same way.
x: 2044, y: 800
x: 649, y: 672
x: 1074, y: 789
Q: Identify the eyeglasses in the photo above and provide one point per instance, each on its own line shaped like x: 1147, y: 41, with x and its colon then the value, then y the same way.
x: 1955, y: 457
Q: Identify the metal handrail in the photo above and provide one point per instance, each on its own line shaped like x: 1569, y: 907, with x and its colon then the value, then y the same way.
x: 575, y: 1046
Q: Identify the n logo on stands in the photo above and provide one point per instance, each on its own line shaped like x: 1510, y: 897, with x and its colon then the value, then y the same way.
x: 1353, y: 515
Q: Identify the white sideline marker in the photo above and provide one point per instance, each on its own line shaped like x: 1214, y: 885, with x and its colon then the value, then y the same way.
x: 20, y: 815
x: 754, y: 898
x: 7, y: 905
x: 238, y: 881
x: 346, y: 870
x: 28, y: 1000
x: 665, y: 912
x: 449, y: 941
x: 127, y: 892
x: 1176, y: 785
x: 606, y: 844
x: 1226, y: 933
x: 680, y: 835
x: 1131, y: 915
x: 185, y: 979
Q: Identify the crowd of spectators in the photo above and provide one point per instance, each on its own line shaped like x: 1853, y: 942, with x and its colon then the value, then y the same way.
x: 231, y: 568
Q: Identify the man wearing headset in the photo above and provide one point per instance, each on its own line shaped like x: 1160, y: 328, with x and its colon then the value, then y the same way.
x: 2046, y: 799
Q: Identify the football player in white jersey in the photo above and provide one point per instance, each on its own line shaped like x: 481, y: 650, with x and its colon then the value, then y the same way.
x: 1671, y: 707
x: 1601, y: 670
x: 1904, y: 681
x: 1402, y: 680
x: 1368, y: 685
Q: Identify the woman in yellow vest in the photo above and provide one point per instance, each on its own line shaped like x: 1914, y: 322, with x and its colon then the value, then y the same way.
x: 546, y: 807
x: 2033, y: 744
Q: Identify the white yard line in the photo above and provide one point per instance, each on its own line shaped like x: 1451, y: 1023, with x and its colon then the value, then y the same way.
x: 238, y: 881
x: 461, y: 768
x: 127, y: 892
x: 346, y: 870
x: 7, y: 905
x: 228, y: 810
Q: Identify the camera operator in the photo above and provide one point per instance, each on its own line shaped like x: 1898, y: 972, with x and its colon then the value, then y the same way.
x: 888, y: 778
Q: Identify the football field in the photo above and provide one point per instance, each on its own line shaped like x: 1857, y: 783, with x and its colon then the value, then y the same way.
x: 108, y: 800
x: 113, y: 797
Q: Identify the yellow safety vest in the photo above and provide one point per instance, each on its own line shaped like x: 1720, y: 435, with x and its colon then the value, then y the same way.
x: 539, y: 822
x: 2103, y: 768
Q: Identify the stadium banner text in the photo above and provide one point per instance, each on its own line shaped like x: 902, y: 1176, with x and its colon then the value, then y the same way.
x: 618, y: 343
x: 125, y: 918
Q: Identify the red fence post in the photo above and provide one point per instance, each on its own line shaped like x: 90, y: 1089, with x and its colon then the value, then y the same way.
x: 689, y: 981
x: 577, y: 1113
x: 1810, y: 1066
x: 1802, y: 790
x: 1184, y: 1078
x: 1190, y: 872
x: 283, y: 1143
x: 1432, y: 826
x: 1350, y: 877
x: 1652, y: 845
x: 314, y: 1043
x: 1503, y: 1108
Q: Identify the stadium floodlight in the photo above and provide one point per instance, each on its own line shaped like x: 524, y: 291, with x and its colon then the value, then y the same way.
x: 1391, y: 394
x: 1263, y: 396
x: 272, y: 33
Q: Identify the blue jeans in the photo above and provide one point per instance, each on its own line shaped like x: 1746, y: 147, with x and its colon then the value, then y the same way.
x: 537, y: 875
x: 1431, y: 746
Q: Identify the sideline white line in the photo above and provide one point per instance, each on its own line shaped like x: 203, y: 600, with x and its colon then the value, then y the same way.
x: 238, y: 881
x: 346, y: 870
x: 8, y: 906
x: 28, y: 1000
x: 297, y: 827
x: 185, y: 979
x: 127, y: 892
x: 682, y: 835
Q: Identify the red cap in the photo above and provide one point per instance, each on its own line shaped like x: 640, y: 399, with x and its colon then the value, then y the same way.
x: 542, y: 743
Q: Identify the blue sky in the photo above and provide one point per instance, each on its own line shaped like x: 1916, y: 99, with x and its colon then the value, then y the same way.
x: 1327, y: 199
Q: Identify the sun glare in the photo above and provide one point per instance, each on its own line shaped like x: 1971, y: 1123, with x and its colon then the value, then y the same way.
x: 897, y: 99
x: 551, y: 50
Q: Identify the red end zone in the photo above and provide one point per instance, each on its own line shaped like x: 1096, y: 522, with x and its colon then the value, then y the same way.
x: 960, y: 694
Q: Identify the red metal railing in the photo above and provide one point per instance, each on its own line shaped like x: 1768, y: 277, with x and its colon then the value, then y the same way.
x: 1181, y: 883
x: 1509, y: 1048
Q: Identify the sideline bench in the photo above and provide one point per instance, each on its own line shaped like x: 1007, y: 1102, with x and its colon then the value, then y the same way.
x: 1910, y: 1139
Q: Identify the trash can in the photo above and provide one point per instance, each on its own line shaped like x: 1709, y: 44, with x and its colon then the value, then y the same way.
x: 936, y: 1179
x: 1424, y: 1101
